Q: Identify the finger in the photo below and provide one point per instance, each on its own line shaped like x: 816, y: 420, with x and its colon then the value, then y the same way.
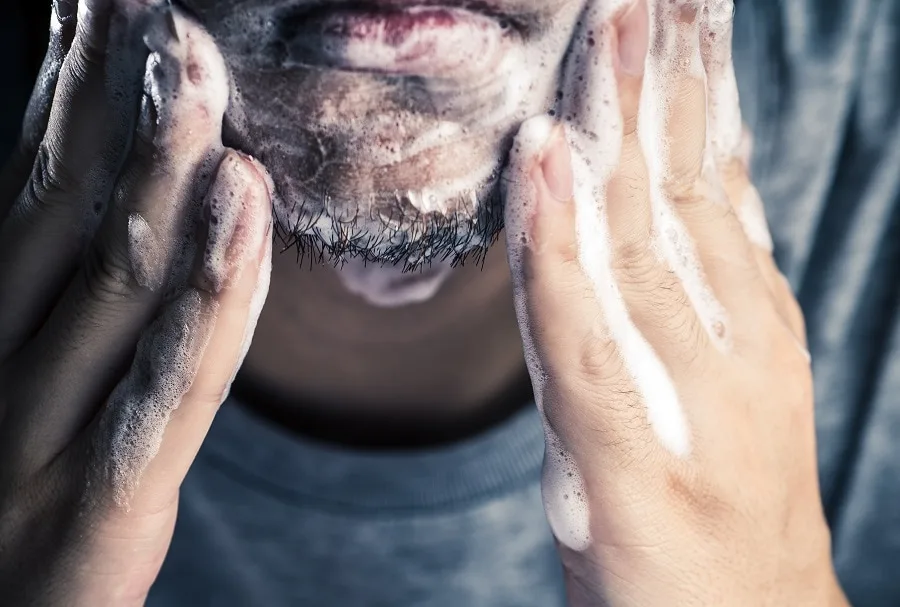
x: 15, y: 172
x: 701, y: 237
x: 596, y: 134
x: 656, y: 300
x: 729, y: 143
x: 154, y: 422
x: 580, y: 383
x: 87, y: 137
x: 143, y: 248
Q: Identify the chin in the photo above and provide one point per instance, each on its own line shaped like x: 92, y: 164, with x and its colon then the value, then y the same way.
x: 385, y: 123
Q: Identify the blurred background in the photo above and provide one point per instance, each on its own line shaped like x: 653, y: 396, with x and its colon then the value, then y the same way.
x: 23, y: 39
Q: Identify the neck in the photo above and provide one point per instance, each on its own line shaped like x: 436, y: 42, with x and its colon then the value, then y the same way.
x: 326, y: 363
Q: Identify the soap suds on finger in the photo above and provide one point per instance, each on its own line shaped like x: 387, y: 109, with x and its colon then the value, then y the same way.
x: 232, y: 208
x: 562, y: 486
x: 185, y: 95
x: 594, y: 160
x: 135, y: 417
x: 145, y: 254
x: 675, y: 56
x: 186, y: 85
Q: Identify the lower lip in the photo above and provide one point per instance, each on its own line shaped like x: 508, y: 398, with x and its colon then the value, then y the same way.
x: 418, y: 41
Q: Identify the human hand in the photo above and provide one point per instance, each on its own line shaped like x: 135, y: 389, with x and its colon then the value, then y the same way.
x: 666, y: 350
x: 134, y: 262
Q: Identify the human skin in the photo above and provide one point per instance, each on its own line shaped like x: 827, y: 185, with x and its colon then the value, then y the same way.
x: 736, y: 520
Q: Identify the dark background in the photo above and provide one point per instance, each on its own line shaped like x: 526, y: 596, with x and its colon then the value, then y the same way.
x: 24, y: 25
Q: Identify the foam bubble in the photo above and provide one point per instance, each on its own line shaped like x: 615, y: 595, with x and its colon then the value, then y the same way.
x: 565, y: 495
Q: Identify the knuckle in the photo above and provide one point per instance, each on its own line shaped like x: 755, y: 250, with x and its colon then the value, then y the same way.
x: 108, y: 275
x: 700, y: 495
x: 88, y: 58
x: 682, y: 191
x: 50, y: 180
x: 599, y: 360
x: 635, y: 265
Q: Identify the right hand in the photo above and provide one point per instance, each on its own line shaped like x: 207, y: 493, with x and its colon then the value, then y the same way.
x: 135, y: 254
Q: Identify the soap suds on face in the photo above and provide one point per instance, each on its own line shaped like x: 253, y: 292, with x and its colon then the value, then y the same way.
x: 395, y: 168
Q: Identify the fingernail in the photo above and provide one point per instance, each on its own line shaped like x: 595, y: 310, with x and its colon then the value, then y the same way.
x: 634, y: 38
x: 64, y: 10
x: 556, y: 166
x: 237, y: 208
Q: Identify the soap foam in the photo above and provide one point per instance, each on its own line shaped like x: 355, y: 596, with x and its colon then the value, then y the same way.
x: 728, y: 140
x: 563, y: 487
x: 725, y: 126
x: 144, y: 253
x: 232, y: 208
x: 187, y: 87
x: 134, y: 420
x: 752, y: 215
x: 342, y: 160
x: 596, y: 142
x: 593, y: 125
x: 675, y: 55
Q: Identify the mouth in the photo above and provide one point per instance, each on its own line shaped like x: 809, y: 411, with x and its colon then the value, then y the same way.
x: 396, y: 37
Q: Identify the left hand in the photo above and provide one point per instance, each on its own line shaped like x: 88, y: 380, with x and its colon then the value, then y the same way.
x: 667, y: 351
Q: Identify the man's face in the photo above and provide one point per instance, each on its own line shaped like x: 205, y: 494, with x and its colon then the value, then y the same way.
x: 384, y: 123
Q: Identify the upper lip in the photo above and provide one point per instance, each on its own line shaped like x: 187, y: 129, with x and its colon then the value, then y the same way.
x: 507, y: 11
